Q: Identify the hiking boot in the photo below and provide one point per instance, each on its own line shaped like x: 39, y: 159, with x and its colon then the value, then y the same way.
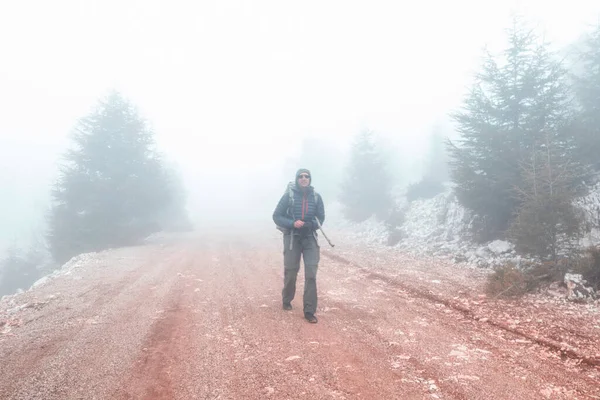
x: 310, y: 317
x: 287, y: 306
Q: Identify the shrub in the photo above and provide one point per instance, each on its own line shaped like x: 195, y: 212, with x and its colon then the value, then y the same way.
x: 507, y: 281
x: 589, y: 267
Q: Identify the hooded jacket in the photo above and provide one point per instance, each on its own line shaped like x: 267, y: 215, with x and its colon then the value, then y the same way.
x: 304, y: 208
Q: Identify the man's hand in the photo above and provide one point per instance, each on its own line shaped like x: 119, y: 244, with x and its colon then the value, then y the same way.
x: 298, y: 224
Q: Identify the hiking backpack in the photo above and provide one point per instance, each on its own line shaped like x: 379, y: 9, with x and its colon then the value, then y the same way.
x: 290, y: 193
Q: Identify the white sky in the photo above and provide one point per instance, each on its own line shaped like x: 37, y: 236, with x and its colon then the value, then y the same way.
x: 212, y: 74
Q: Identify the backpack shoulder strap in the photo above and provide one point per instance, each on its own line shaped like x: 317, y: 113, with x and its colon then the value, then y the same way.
x: 290, y: 199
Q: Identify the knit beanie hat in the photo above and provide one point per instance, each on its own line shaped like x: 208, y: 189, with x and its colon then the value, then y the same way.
x: 304, y: 171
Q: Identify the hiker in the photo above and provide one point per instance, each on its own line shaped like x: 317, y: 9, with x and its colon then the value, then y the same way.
x: 295, y: 217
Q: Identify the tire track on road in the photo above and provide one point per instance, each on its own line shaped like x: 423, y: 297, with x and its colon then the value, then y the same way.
x: 153, y: 373
x: 433, y: 299
x: 84, y: 344
x: 561, y: 348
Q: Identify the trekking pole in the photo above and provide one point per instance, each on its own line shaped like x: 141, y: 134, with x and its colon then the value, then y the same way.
x: 323, y: 232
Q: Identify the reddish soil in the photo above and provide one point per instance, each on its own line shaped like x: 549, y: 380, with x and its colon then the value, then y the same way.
x: 199, y: 317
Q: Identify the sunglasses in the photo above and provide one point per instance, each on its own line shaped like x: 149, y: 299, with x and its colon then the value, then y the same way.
x: 304, y: 176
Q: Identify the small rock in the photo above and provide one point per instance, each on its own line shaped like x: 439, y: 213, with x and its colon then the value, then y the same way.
x: 292, y: 358
x: 269, y: 390
x: 482, y: 252
x: 576, y: 289
x: 500, y: 247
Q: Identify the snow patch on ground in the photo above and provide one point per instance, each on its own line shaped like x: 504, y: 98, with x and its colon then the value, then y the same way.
x: 79, y: 261
x: 500, y: 246
x: 440, y: 227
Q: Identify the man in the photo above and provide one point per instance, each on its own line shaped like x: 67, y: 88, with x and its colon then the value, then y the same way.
x: 296, y: 215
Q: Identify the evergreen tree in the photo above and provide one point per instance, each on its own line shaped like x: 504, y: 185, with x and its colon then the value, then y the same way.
x: 587, y: 89
x: 113, y: 189
x: 366, y: 188
x: 514, y: 101
x: 547, y: 223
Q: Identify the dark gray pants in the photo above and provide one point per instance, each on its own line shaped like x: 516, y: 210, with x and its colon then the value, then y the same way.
x: 308, y: 248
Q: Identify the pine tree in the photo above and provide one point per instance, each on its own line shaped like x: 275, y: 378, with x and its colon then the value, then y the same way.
x: 514, y: 101
x: 113, y: 189
x: 366, y: 188
x: 547, y: 223
x: 587, y: 89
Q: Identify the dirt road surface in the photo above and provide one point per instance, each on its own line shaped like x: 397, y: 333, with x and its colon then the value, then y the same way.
x: 199, y: 317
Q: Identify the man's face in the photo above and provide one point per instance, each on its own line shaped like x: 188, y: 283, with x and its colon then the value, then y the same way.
x: 303, y: 179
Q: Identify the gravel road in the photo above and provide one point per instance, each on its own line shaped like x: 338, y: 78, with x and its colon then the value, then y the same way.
x: 199, y: 317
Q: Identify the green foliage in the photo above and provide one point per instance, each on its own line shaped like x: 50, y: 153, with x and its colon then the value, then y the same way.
x: 589, y: 267
x: 547, y: 223
x: 516, y: 98
x: 113, y: 189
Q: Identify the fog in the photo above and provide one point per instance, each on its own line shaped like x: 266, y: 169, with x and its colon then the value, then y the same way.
x: 232, y: 89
